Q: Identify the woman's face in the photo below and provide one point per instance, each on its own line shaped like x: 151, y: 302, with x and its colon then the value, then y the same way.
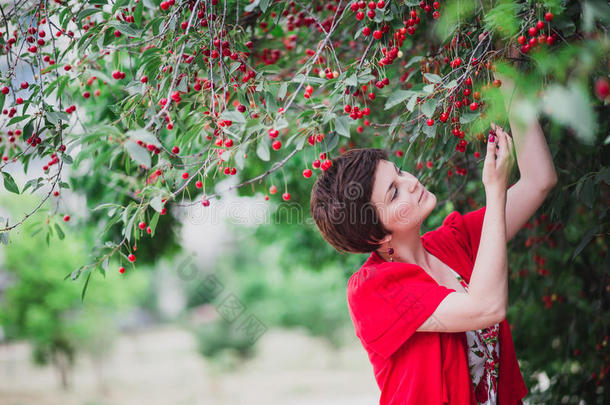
x: 402, y: 202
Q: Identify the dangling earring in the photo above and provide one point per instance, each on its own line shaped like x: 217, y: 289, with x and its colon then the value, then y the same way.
x: 391, y: 252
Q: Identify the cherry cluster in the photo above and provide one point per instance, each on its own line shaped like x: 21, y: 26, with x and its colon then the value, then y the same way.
x: 537, y: 36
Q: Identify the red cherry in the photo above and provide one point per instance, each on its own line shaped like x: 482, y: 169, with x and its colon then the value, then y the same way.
x: 5, y: 90
x: 205, y: 203
x: 86, y: 94
x: 521, y: 40
x: 144, y: 79
x: 276, y: 145
x: 380, y: 4
x: 430, y: 122
x: 533, y: 31
x: 307, y: 173
x: 286, y: 196
x: 185, y: 175
x: 121, y: 269
x: 377, y: 34
x: 24, y: 85
x: 273, y: 189
x: 175, y: 150
x: 198, y: 184
x: 19, y: 100
x: 602, y: 89
x: 142, y: 225
x: 273, y: 133
x: 474, y: 106
x: 316, y: 164
x: 117, y: 33
x: 540, y: 25
x: 366, y: 31
x: 164, y: 5
x: 66, y: 218
x: 131, y: 257
x: 549, y: 16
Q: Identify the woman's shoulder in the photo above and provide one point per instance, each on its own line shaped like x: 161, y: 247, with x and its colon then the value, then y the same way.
x: 377, y: 275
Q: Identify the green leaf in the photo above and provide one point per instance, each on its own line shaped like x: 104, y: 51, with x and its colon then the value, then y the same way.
x: 411, y: 103
x: 587, y: 195
x: 282, y: 92
x: 86, y: 12
x: 603, y: 175
x: 138, y: 153
x: 125, y: 29
x: 9, y: 183
x: 156, y: 204
x: 262, y: 149
x: 4, y: 239
x: 342, y: 124
x: 234, y: 116
x: 394, y: 124
x: 429, y: 131
x: 153, y: 224
x: 503, y: 18
x: 17, y: 119
x: 82, y: 297
x: 429, y: 88
x: 398, y: 97
x: 428, y: 107
x: 138, y: 13
x: 352, y: 80
x: 118, y: 4
x: 468, y: 117
x: 60, y: 233
x: 432, y: 78
x: 55, y: 116
x: 330, y: 142
x: 585, y: 240
x: 143, y: 135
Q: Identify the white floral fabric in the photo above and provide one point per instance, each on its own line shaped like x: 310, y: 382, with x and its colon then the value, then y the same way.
x: 483, y: 359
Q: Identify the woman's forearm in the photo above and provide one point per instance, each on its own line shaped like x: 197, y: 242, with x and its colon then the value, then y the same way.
x: 488, y: 282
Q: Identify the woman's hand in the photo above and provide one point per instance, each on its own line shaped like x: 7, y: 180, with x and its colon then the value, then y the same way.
x: 498, y: 162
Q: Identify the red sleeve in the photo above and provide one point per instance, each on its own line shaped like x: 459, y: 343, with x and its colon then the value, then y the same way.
x: 467, y: 229
x: 389, y: 301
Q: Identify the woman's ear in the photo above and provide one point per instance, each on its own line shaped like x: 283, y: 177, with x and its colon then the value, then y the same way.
x: 386, y: 239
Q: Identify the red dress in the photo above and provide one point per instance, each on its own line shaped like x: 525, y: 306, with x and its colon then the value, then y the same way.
x: 388, y: 301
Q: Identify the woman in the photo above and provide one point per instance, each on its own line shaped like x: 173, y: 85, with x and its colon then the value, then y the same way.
x: 430, y: 310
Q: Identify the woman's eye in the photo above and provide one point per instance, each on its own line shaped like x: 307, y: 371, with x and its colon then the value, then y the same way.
x: 395, y: 193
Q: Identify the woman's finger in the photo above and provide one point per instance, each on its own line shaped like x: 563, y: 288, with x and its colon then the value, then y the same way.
x: 491, y: 148
x: 502, y: 143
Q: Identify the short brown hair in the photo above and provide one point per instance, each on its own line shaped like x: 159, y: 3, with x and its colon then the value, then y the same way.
x: 341, y: 202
